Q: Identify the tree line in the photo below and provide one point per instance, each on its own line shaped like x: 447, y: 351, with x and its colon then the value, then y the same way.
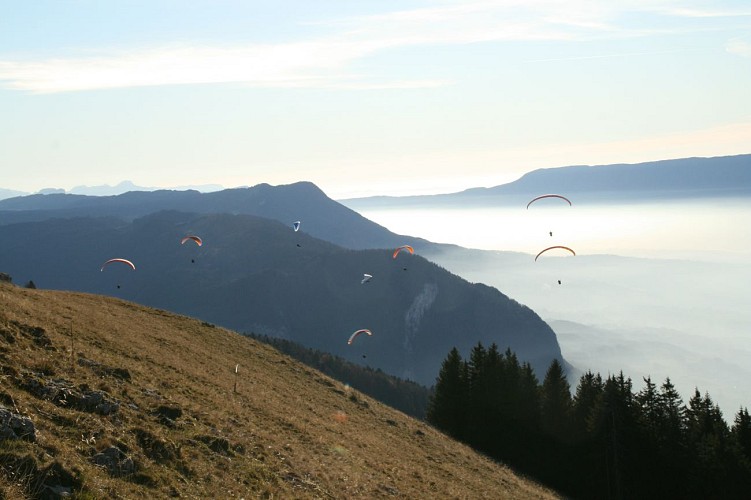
x: 404, y: 395
x: 604, y: 441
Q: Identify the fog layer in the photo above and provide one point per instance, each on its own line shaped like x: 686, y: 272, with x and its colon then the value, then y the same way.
x: 655, y: 289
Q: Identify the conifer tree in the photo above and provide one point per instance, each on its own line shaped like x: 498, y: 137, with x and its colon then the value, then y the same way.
x: 649, y: 420
x: 447, y: 407
x: 612, y: 427
x: 707, y: 435
x: 493, y: 396
x: 529, y: 398
x: 585, y: 401
x: 511, y: 388
x: 649, y: 408
x: 555, y: 403
x: 672, y: 412
x: 742, y: 432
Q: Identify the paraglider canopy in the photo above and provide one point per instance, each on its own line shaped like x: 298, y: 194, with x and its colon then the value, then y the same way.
x: 124, y: 261
x: 296, y: 225
x: 549, y: 196
x: 403, y: 247
x: 551, y: 248
x: 196, y: 239
x: 358, y: 332
x: 365, y: 278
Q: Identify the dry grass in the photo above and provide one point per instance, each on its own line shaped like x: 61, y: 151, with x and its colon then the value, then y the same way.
x: 288, y: 432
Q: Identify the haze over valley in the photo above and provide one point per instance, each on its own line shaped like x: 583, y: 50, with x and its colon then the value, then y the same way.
x: 659, y: 286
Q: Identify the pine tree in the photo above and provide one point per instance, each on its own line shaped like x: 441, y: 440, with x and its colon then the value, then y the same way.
x: 742, y: 431
x: 493, y: 404
x: 647, y: 470
x: 649, y: 408
x: 528, y: 410
x: 672, y: 414
x: 707, y: 435
x: 447, y: 407
x: 588, y: 453
x: 613, y: 427
x: 555, y: 403
x: 585, y: 401
x: 475, y: 410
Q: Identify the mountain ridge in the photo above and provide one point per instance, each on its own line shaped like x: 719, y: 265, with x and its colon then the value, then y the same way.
x: 675, y: 178
x: 256, y: 275
x: 320, y: 215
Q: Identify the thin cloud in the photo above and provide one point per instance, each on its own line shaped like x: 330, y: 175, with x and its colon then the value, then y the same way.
x: 739, y: 46
x: 704, y: 13
x: 322, y: 62
x: 614, y: 55
x: 263, y: 65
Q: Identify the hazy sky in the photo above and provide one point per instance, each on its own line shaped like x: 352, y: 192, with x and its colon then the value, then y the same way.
x: 363, y: 97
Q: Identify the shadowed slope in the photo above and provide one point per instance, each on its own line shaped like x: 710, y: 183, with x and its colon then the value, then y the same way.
x: 255, y: 275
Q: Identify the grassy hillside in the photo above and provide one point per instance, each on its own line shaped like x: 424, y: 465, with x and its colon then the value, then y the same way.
x: 148, y: 396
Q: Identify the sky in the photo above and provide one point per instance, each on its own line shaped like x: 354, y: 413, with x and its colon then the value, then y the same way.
x: 363, y: 97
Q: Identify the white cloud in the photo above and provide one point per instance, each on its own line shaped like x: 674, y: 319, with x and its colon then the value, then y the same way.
x: 323, y: 61
x: 291, y: 64
x: 739, y: 46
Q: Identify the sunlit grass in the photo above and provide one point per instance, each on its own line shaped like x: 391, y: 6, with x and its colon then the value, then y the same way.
x: 286, y: 431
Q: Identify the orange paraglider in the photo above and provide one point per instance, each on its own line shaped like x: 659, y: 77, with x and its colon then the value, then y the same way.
x: 196, y: 239
x: 403, y: 247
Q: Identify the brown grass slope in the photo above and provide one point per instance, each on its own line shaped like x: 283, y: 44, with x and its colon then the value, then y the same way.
x: 182, y: 431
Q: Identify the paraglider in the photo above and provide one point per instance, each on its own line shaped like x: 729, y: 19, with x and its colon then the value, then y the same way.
x: 198, y: 241
x: 365, y: 278
x: 296, y: 225
x: 403, y: 247
x: 124, y: 261
x: 551, y: 248
x: 358, y: 332
x: 549, y: 196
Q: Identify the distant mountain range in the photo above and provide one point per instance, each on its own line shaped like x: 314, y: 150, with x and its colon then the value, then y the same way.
x: 258, y: 275
x: 106, y: 190
x: 10, y: 193
x: 320, y: 216
x: 253, y: 277
x: 682, y: 178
